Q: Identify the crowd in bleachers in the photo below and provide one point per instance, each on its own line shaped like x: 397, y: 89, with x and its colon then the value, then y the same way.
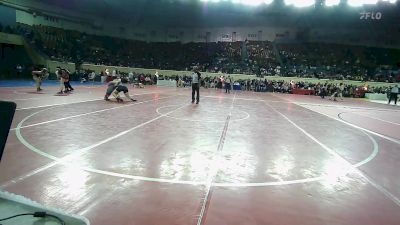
x: 282, y: 86
x: 266, y: 85
x: 261, y: 57
x: 256, y: 85
x: 341, y: 62
x: 249, y: 57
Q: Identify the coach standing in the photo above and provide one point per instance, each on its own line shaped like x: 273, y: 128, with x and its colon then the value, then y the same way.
x: 196, y: 76
x: 228, y: 83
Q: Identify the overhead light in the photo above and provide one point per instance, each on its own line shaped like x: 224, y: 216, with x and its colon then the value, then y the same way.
x: 300, y: 3
x: 332, y: 2
x: 209, y: 0
x: 357, y: 3
x: 390, y: 1
x: 244, y: 2
x: 256, y: 2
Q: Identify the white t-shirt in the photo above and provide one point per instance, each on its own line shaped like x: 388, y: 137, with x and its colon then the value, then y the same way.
x: 195, y: 78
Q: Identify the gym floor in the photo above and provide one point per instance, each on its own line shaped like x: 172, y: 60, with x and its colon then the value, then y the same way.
x: 239, y: 158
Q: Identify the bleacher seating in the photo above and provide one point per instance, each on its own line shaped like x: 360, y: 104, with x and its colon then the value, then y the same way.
x: 320, y: 60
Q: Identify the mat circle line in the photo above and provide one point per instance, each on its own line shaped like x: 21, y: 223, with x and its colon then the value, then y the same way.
x: 175, y: 181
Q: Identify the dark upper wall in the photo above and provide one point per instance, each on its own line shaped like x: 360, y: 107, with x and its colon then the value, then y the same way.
x: 7, y: 16
x: 193, y: 13
x: 158, y: 20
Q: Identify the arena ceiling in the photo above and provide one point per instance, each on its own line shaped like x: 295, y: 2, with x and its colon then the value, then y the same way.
x: 204, y: 13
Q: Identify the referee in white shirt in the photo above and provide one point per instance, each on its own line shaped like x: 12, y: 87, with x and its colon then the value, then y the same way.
x: 196, y: 76
x: 393, y: 94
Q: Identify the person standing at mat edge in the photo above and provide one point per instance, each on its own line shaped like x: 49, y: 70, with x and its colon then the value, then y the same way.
x: 196, y: 76
x: 393, y: 94
x: 228, y: 82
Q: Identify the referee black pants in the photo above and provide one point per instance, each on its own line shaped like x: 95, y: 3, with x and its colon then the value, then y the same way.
x: 394, y: 97
x: 195, y: 88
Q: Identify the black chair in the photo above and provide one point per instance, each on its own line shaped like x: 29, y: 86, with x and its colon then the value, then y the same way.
x: 7, y: 110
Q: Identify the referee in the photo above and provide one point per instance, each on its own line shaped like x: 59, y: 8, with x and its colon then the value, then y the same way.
x: 196, y: 76
x: 393, y: 94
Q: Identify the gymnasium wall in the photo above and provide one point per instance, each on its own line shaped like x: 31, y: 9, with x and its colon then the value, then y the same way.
x: 52, y: 65
x: 33, y: 19
x: 10, y: 39
x: 13, y: 55
x: 363, y: 35
x: 7, y: 16
x: 162, y: 34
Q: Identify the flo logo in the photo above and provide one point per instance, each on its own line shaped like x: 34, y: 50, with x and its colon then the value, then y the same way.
x: 370, y: 15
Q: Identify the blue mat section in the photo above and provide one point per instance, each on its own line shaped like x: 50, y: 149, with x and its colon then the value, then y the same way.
x: 47, y: 83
